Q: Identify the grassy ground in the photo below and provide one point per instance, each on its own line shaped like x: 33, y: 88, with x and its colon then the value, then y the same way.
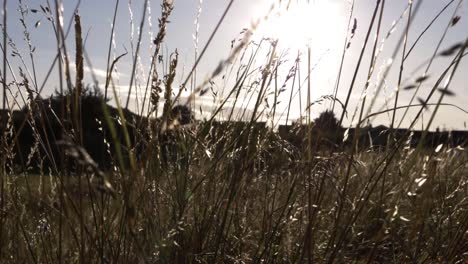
x: 232, y: 192
x: 236, y: 204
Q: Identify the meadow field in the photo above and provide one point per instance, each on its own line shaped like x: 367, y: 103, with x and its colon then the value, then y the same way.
x: 89, y: 176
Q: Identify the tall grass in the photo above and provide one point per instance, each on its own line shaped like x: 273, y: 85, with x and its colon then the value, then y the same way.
x: 232, y: 191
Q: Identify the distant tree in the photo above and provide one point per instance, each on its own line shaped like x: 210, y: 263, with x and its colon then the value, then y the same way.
x: 183, y: 114
x: 327, y: 121
x: 327, y: 127
x: 89, y: 96
x: 172, y: 141
x: 54, y: 118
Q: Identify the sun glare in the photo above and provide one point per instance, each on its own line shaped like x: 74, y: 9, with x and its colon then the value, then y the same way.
x: 298, y: 25
x: 317, y: 24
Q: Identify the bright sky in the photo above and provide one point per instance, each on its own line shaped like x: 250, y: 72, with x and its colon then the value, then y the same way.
x: 320, y: 25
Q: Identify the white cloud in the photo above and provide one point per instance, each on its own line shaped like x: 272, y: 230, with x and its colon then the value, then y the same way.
x: 96, y: 71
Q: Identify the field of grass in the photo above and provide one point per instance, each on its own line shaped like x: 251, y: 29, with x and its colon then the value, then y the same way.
x: 222, y: 192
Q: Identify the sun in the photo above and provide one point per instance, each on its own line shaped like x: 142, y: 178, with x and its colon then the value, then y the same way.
x: 308, y: 32
x: 298, y: 24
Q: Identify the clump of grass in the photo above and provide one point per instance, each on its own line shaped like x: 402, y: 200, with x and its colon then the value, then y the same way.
x: 228, y: 189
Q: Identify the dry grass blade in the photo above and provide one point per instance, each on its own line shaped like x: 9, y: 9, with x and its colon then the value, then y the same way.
x: 455, y: 20
x: 353, y: 31
x: 422, y: 79
x: 137, y: 53
x: 79, y: 77
x: 452, y: 50
x: 82, y: 178
x: 410, y: 87
x: 422, y: 102
x: 446, y: 92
